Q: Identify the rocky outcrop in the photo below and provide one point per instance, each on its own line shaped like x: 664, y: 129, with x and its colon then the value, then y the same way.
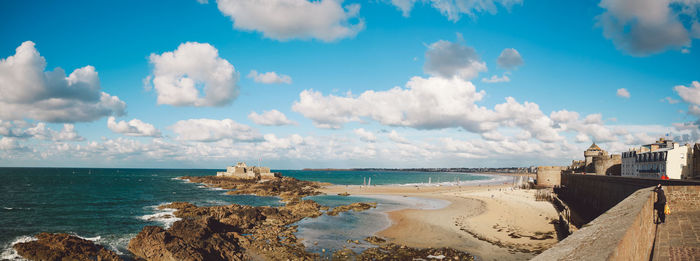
x: 63, y: 247
x: 393, y: 251
x: 233, y: 232
x: 289, y: 189
x: 375, y: 240
x: 359, y: 206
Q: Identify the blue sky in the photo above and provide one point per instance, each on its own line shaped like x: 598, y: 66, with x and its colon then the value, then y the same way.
x: 573, y: 60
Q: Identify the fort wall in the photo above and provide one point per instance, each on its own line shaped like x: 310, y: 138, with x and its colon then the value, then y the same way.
x: 549, y: 176
x: 607, y: 165
x: 624, y: 228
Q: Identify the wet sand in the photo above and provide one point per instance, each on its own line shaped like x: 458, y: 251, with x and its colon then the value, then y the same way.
x: 492, y: 222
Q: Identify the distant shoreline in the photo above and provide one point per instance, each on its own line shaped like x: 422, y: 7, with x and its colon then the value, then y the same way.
x: 429, y: 170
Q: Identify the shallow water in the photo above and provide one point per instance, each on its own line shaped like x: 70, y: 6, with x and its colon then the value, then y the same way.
x: 110, y: 206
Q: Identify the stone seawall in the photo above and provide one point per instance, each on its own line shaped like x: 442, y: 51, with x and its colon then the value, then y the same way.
x: 591, y: 195
x: 626, y: 232
x: 622, y: 214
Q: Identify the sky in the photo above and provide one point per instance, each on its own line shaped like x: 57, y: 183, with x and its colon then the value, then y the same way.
x: 295, y: 84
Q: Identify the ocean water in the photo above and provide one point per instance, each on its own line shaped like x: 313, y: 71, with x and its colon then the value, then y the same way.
x: 110, y: 206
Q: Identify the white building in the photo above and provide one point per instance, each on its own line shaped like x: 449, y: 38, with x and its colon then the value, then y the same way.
x: 662, y: 158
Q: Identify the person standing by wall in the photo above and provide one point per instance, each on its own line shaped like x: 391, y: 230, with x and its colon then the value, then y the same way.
x: 660, y: 204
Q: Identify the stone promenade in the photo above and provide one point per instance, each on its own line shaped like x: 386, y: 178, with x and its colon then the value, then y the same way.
x: 679, y: 237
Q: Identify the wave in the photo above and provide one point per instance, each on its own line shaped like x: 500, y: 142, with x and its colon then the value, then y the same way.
x: 164, y: 216
x: 9, y: 208
x: 210, y: 188
x: 9, y: 253
x: 181, y: 179
x: 93, y: 239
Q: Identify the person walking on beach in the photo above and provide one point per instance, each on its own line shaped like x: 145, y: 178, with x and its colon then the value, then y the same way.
x: 660, y: 204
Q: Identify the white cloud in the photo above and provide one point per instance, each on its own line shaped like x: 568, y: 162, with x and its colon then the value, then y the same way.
x: 210, y: 130
x: 432, y: 103
x: 496, y: 79
x: 10, y: 144
x: 27, y: 91
x: 670, y: 100
x: 454, y: 9
x: 133, y: 127
x: 365, y: 135
x: 643, y: 27
x: 394, y: 136
x: 510, y: 59
x: 449, y: 59
x: 23, y: 130
x: 624, y: 93
x: 68, y: 133
x: 180, y: 76
x: 270, y: 118
x: 269, y: 77
x: 404, y: 6
x: 689, y: 94
x: 326, y: 20
x: 590, y: 127
x: 425, y: 104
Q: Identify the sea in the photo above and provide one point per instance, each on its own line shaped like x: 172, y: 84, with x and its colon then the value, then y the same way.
x: 110, y: 206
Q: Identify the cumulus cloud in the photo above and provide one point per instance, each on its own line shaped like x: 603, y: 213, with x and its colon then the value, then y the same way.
x: 510, y: 59
x: 624, y: 93
x: 68, y: 133
x: 589, y: 128
x: 269, y: 77
x: 210, y: 130
x: 326, y: 20
x: 179, y: 77
x: 449, y: 59
x: 431, y: 103
x: 496, y: 79
x: 396, y: 137
x: 29, y: 92
x: 133, y: 127
x: 270, y: 118
x: 365, y: 135
x: 10, y: 144
x: 643, y: 27
x: 454, y: 9
x: 690, y: 93
x: 24, y: 130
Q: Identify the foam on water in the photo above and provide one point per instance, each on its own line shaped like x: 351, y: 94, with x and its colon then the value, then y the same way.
x: 9, y: 253
x: 164, y: 216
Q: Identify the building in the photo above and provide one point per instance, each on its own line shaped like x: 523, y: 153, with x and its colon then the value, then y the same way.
x: 659, y: 159
x: 597, y: 161
x: 549, y: 176
x: 241, y: 171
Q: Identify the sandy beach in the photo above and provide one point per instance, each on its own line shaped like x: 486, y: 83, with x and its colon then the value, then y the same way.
x: 493, y: 222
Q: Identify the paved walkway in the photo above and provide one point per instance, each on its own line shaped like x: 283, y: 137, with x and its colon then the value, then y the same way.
x: 679, y: 237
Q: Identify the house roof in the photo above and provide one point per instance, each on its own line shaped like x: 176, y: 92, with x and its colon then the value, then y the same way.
x: 594, y: 147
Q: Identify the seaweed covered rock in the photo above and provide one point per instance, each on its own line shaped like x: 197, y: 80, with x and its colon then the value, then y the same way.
x: 232, y: 232
x: 61, y: 246
x: 393, y: 251
x: 359, y: 206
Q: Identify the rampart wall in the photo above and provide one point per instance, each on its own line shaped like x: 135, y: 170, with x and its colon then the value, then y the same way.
x: 624, y: 227
x: 549, y: 176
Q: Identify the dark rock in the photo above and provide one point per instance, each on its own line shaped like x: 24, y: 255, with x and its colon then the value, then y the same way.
x: 63, y: 247
x: 359, y: 206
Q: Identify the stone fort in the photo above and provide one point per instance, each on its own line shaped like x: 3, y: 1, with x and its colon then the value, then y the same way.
x: 597, y: 161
